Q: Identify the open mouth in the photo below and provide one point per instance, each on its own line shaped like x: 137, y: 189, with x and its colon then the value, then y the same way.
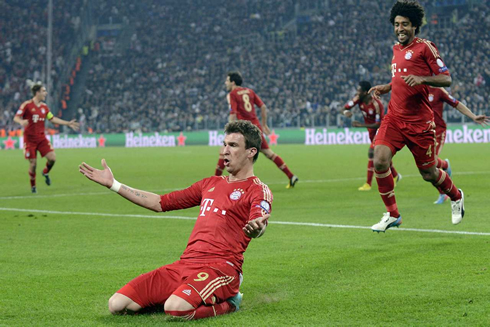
x: 227, y: 162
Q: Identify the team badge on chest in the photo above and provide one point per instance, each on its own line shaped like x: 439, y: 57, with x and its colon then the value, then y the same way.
x: 42, y: 110
x: 236, y: 194
x: 409, y: 54
x: 431, y: 97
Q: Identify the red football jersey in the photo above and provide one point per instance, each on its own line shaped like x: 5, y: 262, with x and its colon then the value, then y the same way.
x: 36, y: 115
x: 419, y: 58
x: 373, y: 112
x: 437, y: 97
x: 242, y: 101
x: 226, y: 207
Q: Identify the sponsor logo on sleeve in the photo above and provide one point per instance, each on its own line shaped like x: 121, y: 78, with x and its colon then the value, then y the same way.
x: 440, y: 63
x: 264, y: 205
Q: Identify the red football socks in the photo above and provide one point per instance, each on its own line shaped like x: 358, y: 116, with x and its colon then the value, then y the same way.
x: 282, y: 166
x: 445, y: 185
x: 204, y: 311
x: 442, y: 164
x: 32, y: 179
x: 370, y: 172
x: 220, y: 166
x: 394, y: 173
x: 48, y: 167
x: 386, y: 187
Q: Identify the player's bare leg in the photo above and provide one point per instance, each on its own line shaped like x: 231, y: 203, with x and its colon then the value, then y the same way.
x: 442, y: 181
x: 386, y: 187
x: 51, y: 159
x: 221, y: 163
x: 32, y: 174
x: 121, y: 304
x: 293, y: 179
x: 180, y: 308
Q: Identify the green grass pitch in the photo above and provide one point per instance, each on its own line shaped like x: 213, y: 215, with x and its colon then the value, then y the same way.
x: 67, y: 249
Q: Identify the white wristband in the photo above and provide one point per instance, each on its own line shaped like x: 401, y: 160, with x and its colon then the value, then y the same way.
x: 115, y: 186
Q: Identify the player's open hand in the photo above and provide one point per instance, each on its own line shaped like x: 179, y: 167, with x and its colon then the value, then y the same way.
x: 356, y: 124
x: 255, y: 228
x: 413, y: 80
x: 482, y: 120
x: 347, y: 113
x: 74, y: 125
x: 103, y: 177
x: 378, y: 90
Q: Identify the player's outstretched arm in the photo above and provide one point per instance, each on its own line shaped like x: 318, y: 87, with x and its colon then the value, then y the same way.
x: 105, y: 178
x: 256, y: 228
x: 479, y: 119
x: 73, y: 124
x: 378, y: 90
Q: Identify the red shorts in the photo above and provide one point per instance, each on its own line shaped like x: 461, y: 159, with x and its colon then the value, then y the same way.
x: 440, y: 139
x: 207, y: 283
x: 31, y: 148
x: 418, y: 137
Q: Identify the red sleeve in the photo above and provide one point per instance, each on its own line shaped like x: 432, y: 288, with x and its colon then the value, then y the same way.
x: 434, y: 60
x: 446, y: 97
x: 233, y: 104
x: 183, y: 199
x: 21, y: 110
x: 350, y: 104
x: 261, y: 202
x: 257, y: 100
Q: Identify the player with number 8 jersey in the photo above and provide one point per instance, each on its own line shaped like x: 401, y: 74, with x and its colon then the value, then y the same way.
x: 242, y: 102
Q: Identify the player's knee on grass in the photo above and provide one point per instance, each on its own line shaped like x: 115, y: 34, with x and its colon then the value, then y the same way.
x: 121, y: 304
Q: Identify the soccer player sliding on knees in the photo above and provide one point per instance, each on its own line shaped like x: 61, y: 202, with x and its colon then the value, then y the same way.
x: 233, y: 209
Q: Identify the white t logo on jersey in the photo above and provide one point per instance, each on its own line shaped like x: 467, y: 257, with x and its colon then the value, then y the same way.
x: 35, y: 118
x: 206, y: 206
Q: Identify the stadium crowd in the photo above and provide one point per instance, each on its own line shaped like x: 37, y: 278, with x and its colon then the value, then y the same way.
x: 23, y: 48
x: 171, y: 74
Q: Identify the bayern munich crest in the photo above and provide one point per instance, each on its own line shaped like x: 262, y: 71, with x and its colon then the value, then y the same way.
x: 236, y: 194
x: 431, y: 97
x: 408, y: 54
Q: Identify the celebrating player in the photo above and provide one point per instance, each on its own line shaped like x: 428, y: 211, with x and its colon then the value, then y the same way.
x: 416, y: 65
x: 205, y: 281
x: 242, y: 102
x: 32, y: 115
x: 373, y: 112
x: 437, y: 97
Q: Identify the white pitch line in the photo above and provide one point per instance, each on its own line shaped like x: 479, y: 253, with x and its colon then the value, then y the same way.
x: 270, y: 183
x: 271, y: 222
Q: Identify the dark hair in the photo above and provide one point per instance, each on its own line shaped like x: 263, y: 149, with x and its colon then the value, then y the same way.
x: 365, y: 85
x: 36, y: 88
x: 250, y: 132
x: 409, y: 9
x: 236, y: 77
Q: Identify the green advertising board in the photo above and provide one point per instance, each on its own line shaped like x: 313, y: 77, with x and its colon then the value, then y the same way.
x: 307, y: 136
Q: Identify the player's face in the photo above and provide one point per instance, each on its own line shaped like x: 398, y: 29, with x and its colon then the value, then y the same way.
x: 404, y: 30
x: 236, y: 156
x: 361, y: 93
x: 41, y: 94
x: 228, y: 83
